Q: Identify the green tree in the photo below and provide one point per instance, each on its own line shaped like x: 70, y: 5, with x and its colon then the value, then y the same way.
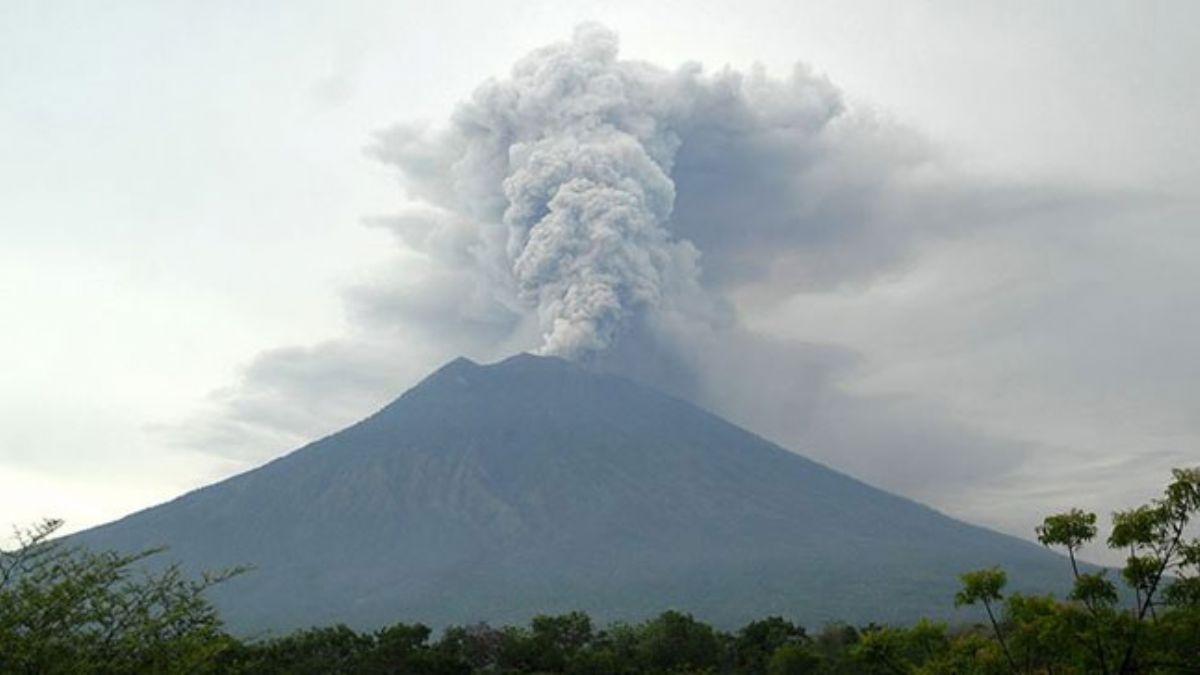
x: 675, y: 642
x: 834, y: 644
x: 883, y: 650
x: 332, y: 649
x: 793, y: 659
x: 479, y: 645
x: 68, y: 610
x: 1158, y: 554
x: 902, y: 650
x: 1071, y: 530
x: 755, y: 643
x: 985, y: 586
x: 550, y: 643
x: 1089, y: 633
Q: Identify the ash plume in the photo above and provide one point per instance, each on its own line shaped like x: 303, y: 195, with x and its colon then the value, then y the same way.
x: 572, y: 157
x: 655, y: 223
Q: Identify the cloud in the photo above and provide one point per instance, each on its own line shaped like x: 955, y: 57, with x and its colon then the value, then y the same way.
x: 810, y: 269
x: 613, y: 211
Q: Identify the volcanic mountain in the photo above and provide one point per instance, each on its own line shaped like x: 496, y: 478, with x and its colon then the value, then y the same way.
x: 533, y: 485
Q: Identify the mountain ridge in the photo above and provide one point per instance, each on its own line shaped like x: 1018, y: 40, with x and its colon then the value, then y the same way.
x: 495, y: 492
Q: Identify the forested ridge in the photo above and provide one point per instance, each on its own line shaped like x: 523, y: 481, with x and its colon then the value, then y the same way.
x: 65, y: 609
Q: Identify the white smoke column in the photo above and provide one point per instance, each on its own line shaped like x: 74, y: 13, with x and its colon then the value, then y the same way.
x: 557, y: 187
x: 566, y: 207
x: 588, y: 190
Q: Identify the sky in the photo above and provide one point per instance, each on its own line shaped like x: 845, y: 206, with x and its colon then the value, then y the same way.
x: 954, y: 254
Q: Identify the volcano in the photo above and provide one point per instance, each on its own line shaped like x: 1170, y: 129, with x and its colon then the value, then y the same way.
x: 534, y: 485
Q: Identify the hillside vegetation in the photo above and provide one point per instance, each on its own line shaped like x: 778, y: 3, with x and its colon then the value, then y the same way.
x: 69, y: 610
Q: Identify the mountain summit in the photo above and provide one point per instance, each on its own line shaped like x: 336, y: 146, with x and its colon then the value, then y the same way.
x: 496, y: 492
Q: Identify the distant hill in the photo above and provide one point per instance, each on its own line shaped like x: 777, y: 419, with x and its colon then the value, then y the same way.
x: 496, y: 492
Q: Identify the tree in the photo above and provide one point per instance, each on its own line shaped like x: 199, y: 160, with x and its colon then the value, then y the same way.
x: 793, y: 659
x: 479, y: 645
x: 1072, y: 530
x: 676, y: 642
x: 333, y: 649
x: 985, y: 586
x: 68, y: 610
x: 1162, y: 569
x: 757, y: 641
x: 1154, y: 537
x: 550, y: 643
x: 882, y: 650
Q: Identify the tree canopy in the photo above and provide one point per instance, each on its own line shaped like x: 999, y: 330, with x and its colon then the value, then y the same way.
x: 69, y: 610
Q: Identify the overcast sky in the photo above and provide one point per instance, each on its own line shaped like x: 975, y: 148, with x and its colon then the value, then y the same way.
x: 195, y: 242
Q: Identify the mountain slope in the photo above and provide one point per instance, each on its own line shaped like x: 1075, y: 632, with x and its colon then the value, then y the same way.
x: 532, y: 485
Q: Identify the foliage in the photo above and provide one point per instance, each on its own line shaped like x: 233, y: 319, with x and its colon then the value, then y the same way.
x: 69, y: 611
x: 1089, y: 632
x: 64, y: 610
x: 757, y: 644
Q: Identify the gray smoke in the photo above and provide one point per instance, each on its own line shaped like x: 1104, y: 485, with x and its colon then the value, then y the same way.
x: 666, y: 225
x: 573, y: 156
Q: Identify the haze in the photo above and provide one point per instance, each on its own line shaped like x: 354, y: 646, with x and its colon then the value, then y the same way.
x: 980, y: 292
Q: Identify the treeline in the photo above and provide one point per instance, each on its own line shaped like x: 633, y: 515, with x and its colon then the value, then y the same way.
x: 569, y: 643
x: 65, y: 610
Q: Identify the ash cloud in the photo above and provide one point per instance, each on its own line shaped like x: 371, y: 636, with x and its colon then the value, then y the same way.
x: 607, y: 197
x: 568, y: 171
x: 631, y: 217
